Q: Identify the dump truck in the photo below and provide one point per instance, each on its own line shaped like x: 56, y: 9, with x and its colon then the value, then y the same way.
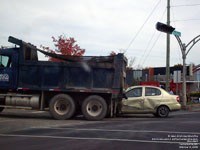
x: 88, y: 85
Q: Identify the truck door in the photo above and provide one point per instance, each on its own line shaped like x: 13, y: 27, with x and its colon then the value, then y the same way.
x: 8, y: 75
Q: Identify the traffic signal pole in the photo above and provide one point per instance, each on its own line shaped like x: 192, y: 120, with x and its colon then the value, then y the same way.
x: 184, y: 77
x: 185, y: 49
x: 184, y: 54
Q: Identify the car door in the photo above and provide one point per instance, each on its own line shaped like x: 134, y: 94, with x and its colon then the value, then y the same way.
x: 134, y: 102
x: 152, y: 99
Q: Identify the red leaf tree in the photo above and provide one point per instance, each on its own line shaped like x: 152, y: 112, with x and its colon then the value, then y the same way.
x: 65, y: 46
x: 112, y: 53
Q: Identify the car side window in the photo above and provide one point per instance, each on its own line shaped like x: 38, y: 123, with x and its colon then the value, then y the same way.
x: 152, y: 91
x: 136, y: 92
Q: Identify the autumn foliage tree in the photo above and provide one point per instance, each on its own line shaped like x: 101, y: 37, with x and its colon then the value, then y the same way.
x: 65, y: 46
x: 112, y: 53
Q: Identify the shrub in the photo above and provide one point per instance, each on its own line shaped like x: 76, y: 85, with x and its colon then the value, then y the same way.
x: 195, y: 94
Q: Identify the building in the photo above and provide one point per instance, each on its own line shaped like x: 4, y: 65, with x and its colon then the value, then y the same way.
x: 153, y: 76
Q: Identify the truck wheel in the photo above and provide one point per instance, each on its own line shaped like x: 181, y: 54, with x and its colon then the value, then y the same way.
x: 163, y: 111
x: 94, y: 108
x: 1, y: 109
x: 62, y: 107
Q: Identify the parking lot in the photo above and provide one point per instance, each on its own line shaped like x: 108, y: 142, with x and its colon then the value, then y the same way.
x: 22, y: 130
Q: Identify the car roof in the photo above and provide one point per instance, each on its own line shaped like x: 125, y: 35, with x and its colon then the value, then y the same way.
x: 144, y: 86
x: 131, y: 87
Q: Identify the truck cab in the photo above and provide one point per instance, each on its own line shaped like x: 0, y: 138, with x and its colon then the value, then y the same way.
x: 9, y: 68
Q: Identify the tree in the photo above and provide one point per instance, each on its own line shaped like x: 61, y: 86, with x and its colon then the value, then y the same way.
x: 65, y: 46
x: 131, y: 62
x: 178, y: 65
x: 112, y: 53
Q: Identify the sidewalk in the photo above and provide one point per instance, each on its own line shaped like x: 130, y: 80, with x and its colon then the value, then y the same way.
x: 193, y: 107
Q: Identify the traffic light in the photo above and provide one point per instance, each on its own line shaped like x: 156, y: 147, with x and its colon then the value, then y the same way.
x: 164, y: 28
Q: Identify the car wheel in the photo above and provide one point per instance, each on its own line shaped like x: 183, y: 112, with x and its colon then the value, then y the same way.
x: 62, y: 107
x: 163, y: 111
x: 94, y: 108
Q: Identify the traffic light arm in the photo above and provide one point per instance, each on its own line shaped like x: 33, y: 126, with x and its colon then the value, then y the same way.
x: 169, y: 29
x: 192, y: 43
x: 180, y: 43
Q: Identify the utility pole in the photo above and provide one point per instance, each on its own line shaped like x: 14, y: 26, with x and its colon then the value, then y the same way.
x: 168, y: 48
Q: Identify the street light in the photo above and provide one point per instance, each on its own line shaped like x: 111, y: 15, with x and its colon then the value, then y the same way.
x: 171, y: 30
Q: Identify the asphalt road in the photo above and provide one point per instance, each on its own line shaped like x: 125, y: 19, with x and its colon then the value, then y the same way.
x: 22, y: 130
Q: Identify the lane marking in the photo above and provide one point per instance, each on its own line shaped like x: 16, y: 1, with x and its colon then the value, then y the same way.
x: 107, y: 130
x: 6, y: 120
x: 100, y: 139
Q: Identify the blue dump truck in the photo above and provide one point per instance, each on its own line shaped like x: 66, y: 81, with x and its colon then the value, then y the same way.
x: 92, y: 86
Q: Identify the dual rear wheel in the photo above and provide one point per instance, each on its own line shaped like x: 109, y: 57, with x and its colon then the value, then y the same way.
x: 62, y: 107
x: 94, y: 108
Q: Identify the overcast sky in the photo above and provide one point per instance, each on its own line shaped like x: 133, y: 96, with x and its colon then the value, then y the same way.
x: 102, y: 26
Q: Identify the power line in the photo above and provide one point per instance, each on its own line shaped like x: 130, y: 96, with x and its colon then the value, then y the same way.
x: 151, y: 48
x: 147, y: 46
x: 142, y: 25
x: 186, y: 20
x: 186, y: 5
x: 173, y: 16
x: 179, y: 52
x: 151, y: 40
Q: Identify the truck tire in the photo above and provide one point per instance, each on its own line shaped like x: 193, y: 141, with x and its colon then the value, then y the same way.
x: 1, y: 109
x: 62, y: 107
x: 94, y: 108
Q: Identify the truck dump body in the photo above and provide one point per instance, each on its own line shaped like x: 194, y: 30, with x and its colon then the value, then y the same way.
x: 67, y: 75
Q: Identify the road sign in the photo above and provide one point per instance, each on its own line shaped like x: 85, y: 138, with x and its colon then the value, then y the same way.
x: 176, y: 33
x: 177, y: 76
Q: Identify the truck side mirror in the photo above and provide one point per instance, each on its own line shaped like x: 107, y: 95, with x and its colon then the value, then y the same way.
x: 1, y: 66
x: 124, y: 96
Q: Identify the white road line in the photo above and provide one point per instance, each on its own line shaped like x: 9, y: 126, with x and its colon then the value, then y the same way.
x: 6, y: 120
x: 107, y: 130
x: 85, y: 138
